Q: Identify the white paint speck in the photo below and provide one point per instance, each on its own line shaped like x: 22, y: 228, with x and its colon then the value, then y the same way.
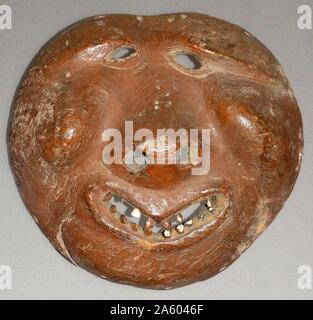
x: 290, y: 93
x: 100, y: 23
x: 99, y: 17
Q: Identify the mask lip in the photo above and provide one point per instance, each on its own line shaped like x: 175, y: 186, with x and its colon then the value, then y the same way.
x: 98, y: 203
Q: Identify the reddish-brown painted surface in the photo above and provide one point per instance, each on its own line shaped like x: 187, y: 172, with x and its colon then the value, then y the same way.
x: 75, y: 89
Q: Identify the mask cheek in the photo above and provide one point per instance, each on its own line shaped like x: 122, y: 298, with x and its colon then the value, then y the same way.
x: 61, y: 142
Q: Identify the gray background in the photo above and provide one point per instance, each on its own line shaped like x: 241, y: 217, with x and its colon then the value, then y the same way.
x: 269, y: 268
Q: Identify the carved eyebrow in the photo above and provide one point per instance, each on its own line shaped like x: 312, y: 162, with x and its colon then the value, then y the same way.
x: 210, y: 61
x: 120, y: 52
x: 93, y: 53
x: 219, y: 62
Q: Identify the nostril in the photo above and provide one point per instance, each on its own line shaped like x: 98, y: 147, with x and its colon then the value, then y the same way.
x: 136, y: 161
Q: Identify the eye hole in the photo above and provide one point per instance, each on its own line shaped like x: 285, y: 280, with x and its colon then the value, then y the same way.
x: 188, y: 61
x: 122, y: 53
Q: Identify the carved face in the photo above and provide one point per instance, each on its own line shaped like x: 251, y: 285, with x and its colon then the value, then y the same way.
x: 154, y: 225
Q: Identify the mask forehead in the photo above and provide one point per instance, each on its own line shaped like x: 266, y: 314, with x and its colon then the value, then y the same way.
x: 200, y: 31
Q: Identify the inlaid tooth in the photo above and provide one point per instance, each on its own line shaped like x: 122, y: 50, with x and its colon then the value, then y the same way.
x: 123, y: 219
x: 167, y: 233
x: 149, y: 224
x: 134, y: 226
x: 166, y: 224
x: 213, y: 199
x: 136, y: 213
x: 179, y: 218
x: 147, y: 232
x: 180, y: 228
x: 202, y: 217
x: 188, y: 223
x: 107, y: 197
x: 209, y: 203
x: 113, y: 208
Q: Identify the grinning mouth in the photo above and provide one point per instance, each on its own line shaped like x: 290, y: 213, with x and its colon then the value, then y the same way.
x: 192, y: 223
